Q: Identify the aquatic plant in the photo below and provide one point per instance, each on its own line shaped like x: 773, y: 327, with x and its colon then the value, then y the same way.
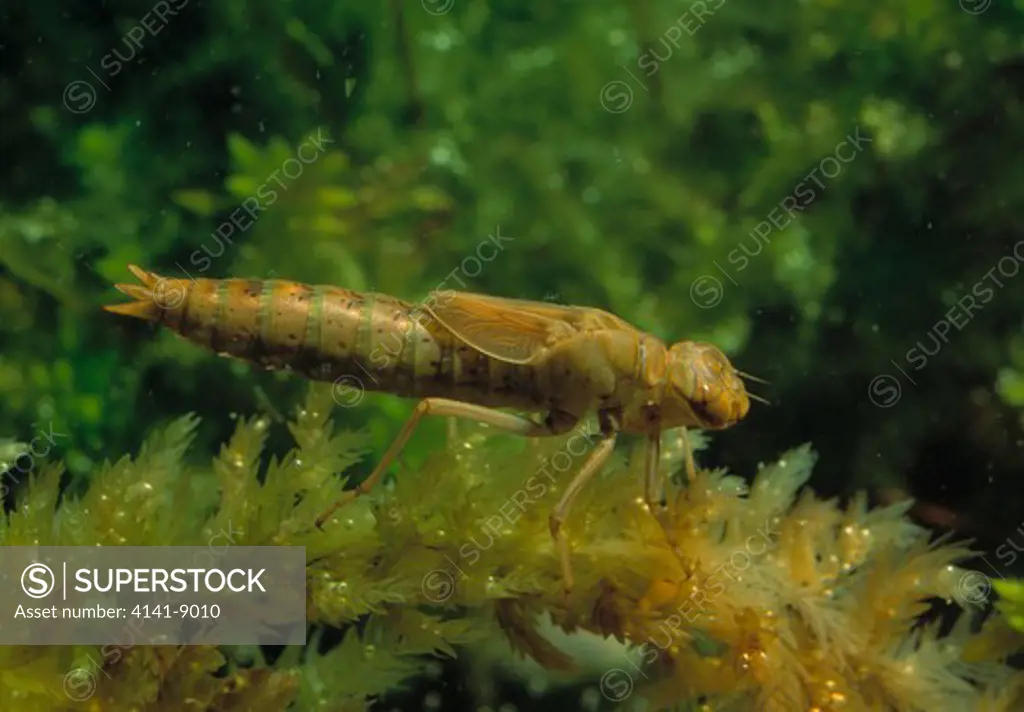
x: 766, y: 598
x: 1011, y: 602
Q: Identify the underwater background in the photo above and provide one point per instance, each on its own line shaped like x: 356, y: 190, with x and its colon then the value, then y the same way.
x: 828, y: 191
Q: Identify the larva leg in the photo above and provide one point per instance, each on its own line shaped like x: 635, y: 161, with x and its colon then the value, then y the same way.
x: 654, y: 489
x: 691, y: 467
x: 590, y: 468
x: 652, y: 456
x: 555, y: 424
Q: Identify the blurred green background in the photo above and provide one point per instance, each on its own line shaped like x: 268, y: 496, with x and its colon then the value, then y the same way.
x: 637, y: 152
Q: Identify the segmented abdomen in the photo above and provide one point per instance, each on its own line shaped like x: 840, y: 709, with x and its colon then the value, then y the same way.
x: 373, y: 341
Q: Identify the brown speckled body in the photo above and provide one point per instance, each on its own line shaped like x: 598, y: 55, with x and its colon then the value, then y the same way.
x: 486, y: 351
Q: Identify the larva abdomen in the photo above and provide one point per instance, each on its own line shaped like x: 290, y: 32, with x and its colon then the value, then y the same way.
x: 326, y: 333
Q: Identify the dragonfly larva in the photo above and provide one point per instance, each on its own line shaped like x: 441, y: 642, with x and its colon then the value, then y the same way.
x: 465, y: 356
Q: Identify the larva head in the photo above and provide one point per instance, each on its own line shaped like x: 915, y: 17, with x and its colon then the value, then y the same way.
x: 702, y: 378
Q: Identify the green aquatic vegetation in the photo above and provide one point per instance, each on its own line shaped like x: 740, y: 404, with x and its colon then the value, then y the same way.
x: 1011, y: 601
x: 770, y: 598
x: 354, y: 220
